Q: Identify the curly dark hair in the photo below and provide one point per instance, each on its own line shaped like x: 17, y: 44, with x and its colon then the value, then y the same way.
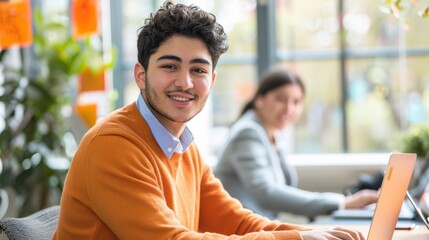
x: 190, y: 21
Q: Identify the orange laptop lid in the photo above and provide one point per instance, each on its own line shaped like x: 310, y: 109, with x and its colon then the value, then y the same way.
x: 392, y: 194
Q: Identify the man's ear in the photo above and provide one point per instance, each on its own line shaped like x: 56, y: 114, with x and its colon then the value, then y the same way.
x: 139, y: 75
x: 214, y: 75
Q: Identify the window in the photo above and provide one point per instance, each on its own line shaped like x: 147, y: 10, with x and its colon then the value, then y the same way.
x: 363, y: 89
x: 366, y: 76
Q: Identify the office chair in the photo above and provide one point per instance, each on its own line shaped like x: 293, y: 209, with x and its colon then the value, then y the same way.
x: 37, y: 226
x: 4, y: 202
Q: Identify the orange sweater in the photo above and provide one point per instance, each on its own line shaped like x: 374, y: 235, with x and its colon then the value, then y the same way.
x: 120, y: 185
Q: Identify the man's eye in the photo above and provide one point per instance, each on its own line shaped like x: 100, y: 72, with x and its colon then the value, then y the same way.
x: 168, y: 67
x: 200, y: 70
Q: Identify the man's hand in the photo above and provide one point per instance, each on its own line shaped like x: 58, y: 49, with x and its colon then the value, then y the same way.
x: 334, y: 234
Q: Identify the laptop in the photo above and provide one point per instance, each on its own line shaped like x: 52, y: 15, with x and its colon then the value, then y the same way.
x: 407, y: 210
x: 407, y: 213
x: 392, y: 194
x: 418, y: 210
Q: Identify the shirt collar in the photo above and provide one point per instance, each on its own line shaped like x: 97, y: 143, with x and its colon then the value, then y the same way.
x: 168, y: 143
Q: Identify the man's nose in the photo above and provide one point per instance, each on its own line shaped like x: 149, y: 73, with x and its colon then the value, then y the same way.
x: 184, y: 80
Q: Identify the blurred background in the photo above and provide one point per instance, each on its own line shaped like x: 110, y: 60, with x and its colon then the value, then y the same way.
x: 365, y: 70
x: 364, y: 64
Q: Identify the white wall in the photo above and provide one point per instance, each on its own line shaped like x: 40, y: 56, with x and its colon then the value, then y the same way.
x: 333, y: 172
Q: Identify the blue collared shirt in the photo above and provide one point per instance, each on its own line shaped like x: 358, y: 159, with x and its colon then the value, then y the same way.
x: 168, y: 143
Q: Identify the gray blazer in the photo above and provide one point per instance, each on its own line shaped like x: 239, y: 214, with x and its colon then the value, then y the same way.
x: 256, y: 173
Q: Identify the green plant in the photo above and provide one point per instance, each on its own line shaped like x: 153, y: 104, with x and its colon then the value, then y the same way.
x: 36, y: 103
x: 416, y: 140
x: 399, y: 8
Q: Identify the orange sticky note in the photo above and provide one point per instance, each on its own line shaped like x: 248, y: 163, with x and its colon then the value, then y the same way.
x: 88, y: 112
x: 89, y: 81
x: 85, y: 20
x: 15, y: 23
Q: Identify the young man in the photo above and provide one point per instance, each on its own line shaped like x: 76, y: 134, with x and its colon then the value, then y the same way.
x: 138, y: 175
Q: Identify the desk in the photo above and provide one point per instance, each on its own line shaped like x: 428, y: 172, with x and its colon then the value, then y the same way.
x: 419, y: 233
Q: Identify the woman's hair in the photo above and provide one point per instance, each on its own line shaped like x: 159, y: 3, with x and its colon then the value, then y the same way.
x: 190, y: 21
x: 273, y: 79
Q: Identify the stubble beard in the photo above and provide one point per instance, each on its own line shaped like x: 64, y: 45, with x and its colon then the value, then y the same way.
x: 151, y: 97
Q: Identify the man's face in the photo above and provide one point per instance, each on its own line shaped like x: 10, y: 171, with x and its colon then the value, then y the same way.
x: 178, y: 80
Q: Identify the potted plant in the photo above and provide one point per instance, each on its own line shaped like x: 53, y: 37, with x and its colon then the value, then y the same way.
x: 37, y: 99
x: 416, y: 140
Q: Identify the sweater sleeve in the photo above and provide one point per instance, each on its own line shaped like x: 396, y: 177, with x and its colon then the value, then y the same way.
x: 225, y: 215
x: 251, y: 162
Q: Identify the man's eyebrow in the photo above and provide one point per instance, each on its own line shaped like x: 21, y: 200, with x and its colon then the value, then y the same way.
x: 178, y: 59
x: 200, y: 60
x: 170, y: 57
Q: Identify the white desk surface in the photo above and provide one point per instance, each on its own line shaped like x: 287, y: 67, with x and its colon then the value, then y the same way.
x: 419, y: 233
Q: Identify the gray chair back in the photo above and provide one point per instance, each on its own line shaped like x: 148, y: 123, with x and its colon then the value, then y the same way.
x: 4, y: 202
x: 40, y: 225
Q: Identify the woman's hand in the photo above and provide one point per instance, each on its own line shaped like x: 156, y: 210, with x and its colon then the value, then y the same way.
x: 361, y: 199
x: 334, y: 234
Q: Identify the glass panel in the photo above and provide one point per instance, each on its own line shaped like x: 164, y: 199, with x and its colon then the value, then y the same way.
x: 302, y: 25
x: 371, y: 116
x: 417, y: 29
x: 133, y: 18
x: 55, y: 8
x: 320, y: 127
x: 234, y: 86
x: 393, y: 93
x: 367, y: 25
x: 238, y: 17
x: 131, y: 89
